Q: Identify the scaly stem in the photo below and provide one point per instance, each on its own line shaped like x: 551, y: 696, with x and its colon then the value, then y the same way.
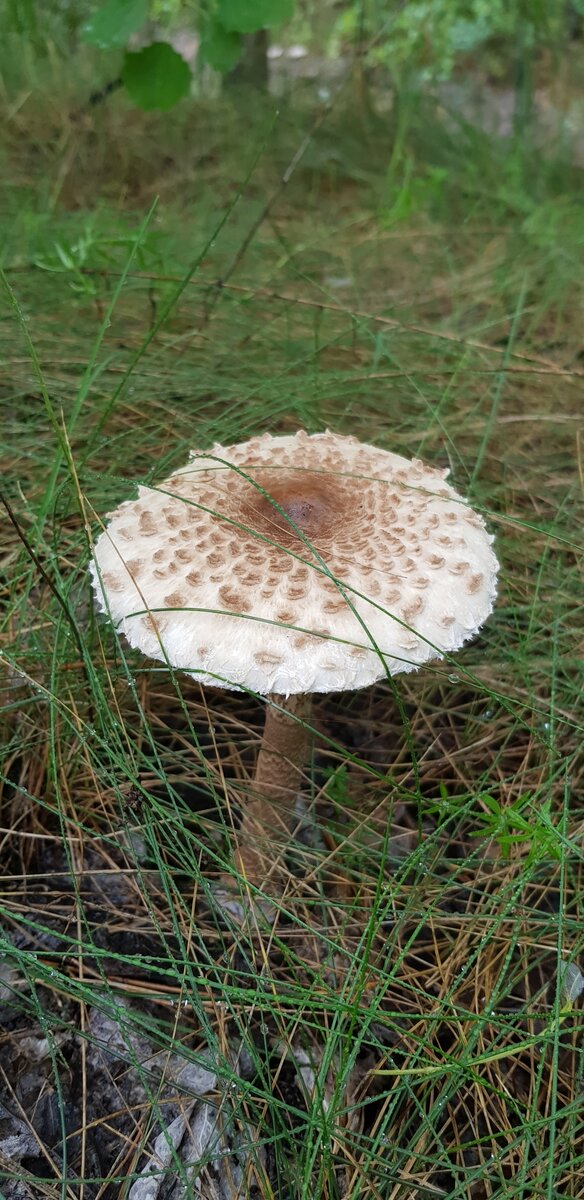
x: 269, y: 815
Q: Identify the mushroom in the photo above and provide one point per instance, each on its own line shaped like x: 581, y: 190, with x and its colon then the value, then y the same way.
x: 291, y: 565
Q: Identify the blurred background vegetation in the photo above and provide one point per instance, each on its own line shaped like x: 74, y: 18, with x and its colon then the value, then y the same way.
x: 429, y: 40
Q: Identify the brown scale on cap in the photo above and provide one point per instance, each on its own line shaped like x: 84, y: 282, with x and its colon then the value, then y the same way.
x: 264, y: 659
x: 413, y: 610
x: 334, y: 606
x: 393, y: 597
x: 115, y: 583
x: 303, y: 641
x: 474, y: 584
x: 236, y: 601
x: 175, y: 600
x: 146, y: 523
x: 154, y: 624
x: 286, y: 615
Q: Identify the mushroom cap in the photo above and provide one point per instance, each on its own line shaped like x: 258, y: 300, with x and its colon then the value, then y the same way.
x: 296, y: 564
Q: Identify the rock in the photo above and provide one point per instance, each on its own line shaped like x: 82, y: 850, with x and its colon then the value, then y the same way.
x: 151, y: 1180
x: 19, y: 1145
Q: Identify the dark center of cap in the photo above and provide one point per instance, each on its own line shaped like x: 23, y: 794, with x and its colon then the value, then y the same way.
x: 304, y: 502
x: 302, y: 510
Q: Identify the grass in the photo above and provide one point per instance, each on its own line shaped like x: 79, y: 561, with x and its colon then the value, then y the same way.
x: 403, y: 1027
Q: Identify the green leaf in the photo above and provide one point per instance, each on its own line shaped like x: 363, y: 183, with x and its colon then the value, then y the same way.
x: 156, y: 77
x: 219, y: 47
x: 114, y: 23
x: 247, y: 16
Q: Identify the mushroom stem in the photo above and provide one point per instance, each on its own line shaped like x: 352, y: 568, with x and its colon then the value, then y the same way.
x: 269, y: 815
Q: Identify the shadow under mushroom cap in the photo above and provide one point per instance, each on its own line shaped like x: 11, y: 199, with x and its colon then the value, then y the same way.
x: 296, y: 564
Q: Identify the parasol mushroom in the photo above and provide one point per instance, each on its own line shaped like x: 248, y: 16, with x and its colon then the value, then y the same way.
x: 291, y: 565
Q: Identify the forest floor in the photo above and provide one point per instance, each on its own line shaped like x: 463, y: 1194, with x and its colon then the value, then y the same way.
x: 407, y: 1024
